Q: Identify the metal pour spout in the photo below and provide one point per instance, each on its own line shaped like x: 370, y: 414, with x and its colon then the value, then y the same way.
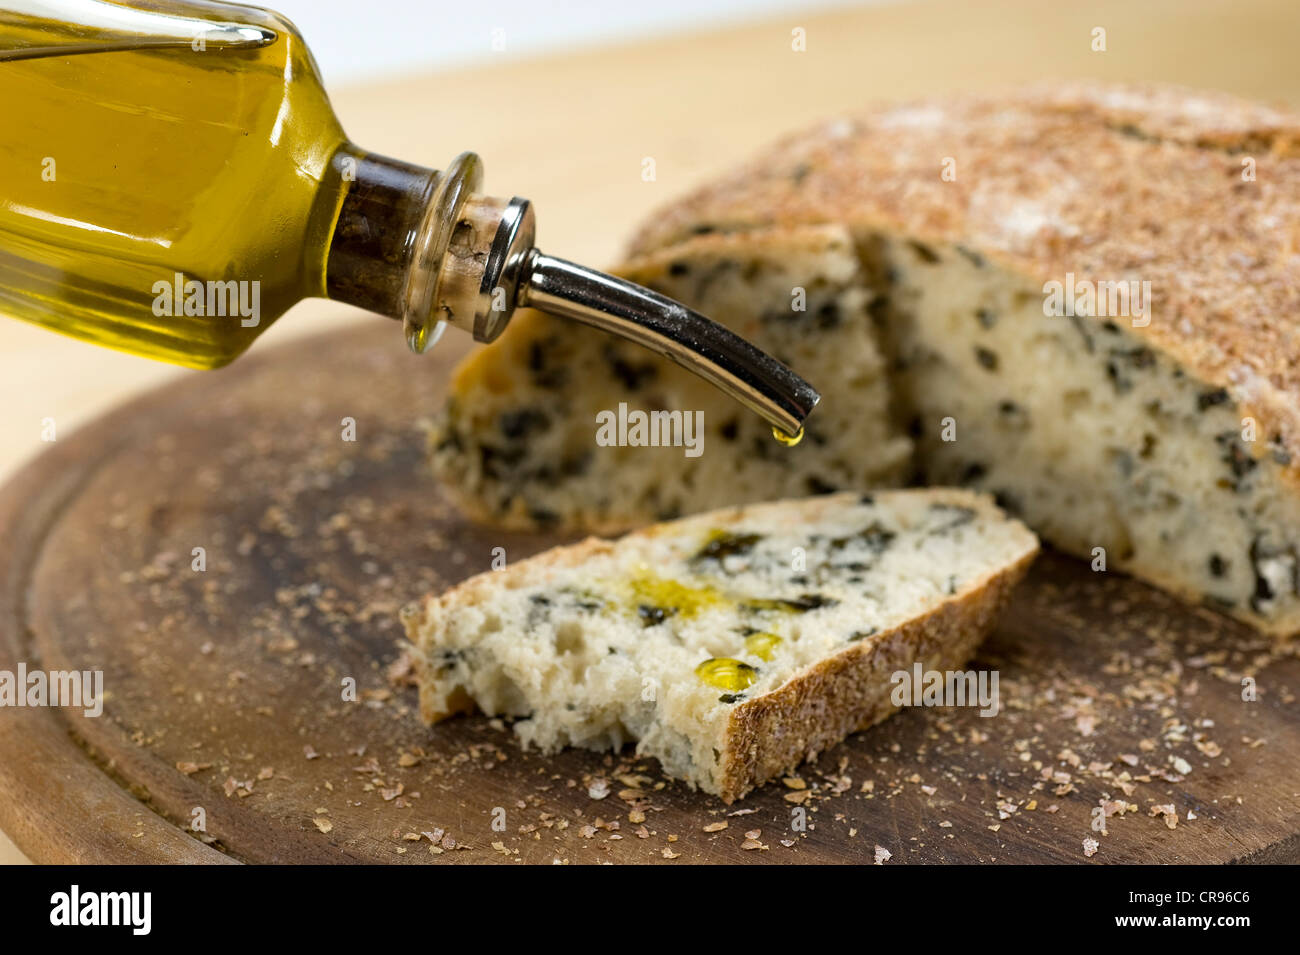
x: 699, y: 345
x: 476, y: 262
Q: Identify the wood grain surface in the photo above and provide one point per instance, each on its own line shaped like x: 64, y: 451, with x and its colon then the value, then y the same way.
x: 227, y: 687
x: 696, y: 103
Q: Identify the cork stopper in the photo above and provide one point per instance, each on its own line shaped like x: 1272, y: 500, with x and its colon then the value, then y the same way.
x: 486, y: 260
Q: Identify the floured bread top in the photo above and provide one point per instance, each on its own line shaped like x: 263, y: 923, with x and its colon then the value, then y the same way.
x: 1196, y: 193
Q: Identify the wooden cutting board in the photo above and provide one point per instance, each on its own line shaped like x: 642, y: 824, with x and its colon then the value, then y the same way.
x: 226, y: 686
x: 697, y: 103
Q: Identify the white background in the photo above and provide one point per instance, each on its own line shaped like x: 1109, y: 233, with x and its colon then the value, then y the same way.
x: 355, y: 40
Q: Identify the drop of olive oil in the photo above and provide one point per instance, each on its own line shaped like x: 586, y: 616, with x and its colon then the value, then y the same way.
x: 647, y: 588
x: 120, y: 169
x: 762, y: 644
x: 727, y: 674
x: 789, y: 440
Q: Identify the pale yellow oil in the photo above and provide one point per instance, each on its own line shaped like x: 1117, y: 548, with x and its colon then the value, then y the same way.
x: 682, y: 600
x: 120, y: 169
x: 762, y: 644
x: 727, y: 674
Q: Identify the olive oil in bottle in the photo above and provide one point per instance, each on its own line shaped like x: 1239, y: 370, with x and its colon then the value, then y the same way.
x: 173, y: 179
x: 122, y: 168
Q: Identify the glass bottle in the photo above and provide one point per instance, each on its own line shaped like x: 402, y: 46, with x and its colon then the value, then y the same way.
x: 173, y: 179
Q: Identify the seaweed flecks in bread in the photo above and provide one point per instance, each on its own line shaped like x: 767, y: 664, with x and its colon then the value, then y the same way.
x: 799, y: 296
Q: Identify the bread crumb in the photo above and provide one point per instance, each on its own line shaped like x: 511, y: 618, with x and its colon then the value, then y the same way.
x: 1169, y: 812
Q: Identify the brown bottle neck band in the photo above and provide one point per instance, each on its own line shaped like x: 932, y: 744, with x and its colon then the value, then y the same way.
x: 371, y: 249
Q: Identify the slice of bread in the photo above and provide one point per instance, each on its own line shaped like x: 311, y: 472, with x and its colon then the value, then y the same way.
x: 1155, y: 430
x: 731, y: 645
x: 518, y: 442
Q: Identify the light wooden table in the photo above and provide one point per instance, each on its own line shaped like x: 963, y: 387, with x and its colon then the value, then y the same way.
x: 571, y: 132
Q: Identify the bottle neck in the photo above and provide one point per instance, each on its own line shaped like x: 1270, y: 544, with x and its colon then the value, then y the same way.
x: 373, y: 246
x: 421, y: 245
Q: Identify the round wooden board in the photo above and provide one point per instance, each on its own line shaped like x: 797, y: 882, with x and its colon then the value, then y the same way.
x: 226, y: 687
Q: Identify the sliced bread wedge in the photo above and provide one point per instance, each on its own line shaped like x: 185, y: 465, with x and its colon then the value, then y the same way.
x: 518, y: 441
x: 732, y: 645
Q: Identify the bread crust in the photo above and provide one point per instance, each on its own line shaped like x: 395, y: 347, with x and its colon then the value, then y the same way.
x: 1110, y: 182
x: 851, y: 691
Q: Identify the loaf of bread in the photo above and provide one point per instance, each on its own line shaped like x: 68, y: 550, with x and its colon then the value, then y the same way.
x: 731, y: 645
x: 1088, y: 298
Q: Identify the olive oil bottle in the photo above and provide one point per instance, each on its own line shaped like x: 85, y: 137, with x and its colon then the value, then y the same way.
x: 173, y: 179
x: 123, y: 167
